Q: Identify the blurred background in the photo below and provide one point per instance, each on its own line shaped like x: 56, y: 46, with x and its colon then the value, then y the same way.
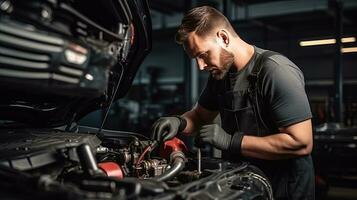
x: 317, y: 35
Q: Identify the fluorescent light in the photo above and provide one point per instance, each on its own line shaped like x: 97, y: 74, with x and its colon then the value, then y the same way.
x: 348, y: 39
x: 325, y: 41
x: 317, y: 42
x: 349, y: 49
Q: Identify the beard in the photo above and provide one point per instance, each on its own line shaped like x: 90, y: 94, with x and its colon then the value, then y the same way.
x: 226, y: 59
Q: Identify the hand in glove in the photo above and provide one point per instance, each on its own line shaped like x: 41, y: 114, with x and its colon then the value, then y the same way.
x: 166, y: 128
x: 214, y: 135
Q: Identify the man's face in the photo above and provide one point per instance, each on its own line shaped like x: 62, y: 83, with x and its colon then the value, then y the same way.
x: 209, y: 54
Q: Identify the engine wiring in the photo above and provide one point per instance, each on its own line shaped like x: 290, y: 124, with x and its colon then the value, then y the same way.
x: 147, y: 149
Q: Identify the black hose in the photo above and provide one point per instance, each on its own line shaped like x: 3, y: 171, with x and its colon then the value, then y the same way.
x: 88, y: 161
x: 87, y: 158
x: 176, y: 167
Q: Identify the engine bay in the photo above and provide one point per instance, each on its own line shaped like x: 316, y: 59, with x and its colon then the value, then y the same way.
x: 117, y: 165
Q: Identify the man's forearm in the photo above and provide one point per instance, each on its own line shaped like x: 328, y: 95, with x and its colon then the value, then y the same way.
x: 197, y: 117
x: 274, y: 147
x: 192, y: 122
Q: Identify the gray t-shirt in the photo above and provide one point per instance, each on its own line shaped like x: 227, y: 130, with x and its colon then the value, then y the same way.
x: 282, y: 88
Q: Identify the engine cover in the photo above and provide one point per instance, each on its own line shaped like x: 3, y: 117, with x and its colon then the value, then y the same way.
x: 27, y: 149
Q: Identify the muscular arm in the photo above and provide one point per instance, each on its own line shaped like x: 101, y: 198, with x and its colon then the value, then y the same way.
x: 292, y: 141
x: 197, y: 117
x: 283, y: 89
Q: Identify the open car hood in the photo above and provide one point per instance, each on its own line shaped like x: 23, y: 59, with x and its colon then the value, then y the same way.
x: 60, y: 60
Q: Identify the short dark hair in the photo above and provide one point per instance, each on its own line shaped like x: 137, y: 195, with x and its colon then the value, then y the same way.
x: 202, y: 20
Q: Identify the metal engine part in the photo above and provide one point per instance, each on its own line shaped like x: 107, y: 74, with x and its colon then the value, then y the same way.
x: 152, y: 167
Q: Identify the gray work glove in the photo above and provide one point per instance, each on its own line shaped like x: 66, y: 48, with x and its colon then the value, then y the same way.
x: 213, y: 134
x: 166, y: 128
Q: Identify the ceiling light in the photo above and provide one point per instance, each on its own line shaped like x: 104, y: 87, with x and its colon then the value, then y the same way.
x: 348, y: 39
x: 325, y: 41
x: 317, y: 42
x: 349, y: 49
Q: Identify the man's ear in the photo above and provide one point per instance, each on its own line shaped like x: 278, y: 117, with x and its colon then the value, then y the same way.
x: 223, y: 37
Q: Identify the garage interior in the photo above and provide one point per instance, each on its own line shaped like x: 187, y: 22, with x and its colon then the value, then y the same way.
x: 169, y: 83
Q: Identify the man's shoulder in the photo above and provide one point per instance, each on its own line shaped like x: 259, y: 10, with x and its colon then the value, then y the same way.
x: 276, y: 64
x: 272, y: 59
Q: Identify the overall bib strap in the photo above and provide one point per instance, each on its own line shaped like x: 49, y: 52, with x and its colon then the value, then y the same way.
x: 254, y: 92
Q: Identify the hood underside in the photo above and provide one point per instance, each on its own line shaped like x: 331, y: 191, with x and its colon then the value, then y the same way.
x: 60, y: 60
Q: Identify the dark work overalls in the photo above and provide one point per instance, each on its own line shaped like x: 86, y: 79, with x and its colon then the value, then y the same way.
x: 242, y: 111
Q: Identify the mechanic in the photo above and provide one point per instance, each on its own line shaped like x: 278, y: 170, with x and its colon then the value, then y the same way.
x: 260, y: 96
